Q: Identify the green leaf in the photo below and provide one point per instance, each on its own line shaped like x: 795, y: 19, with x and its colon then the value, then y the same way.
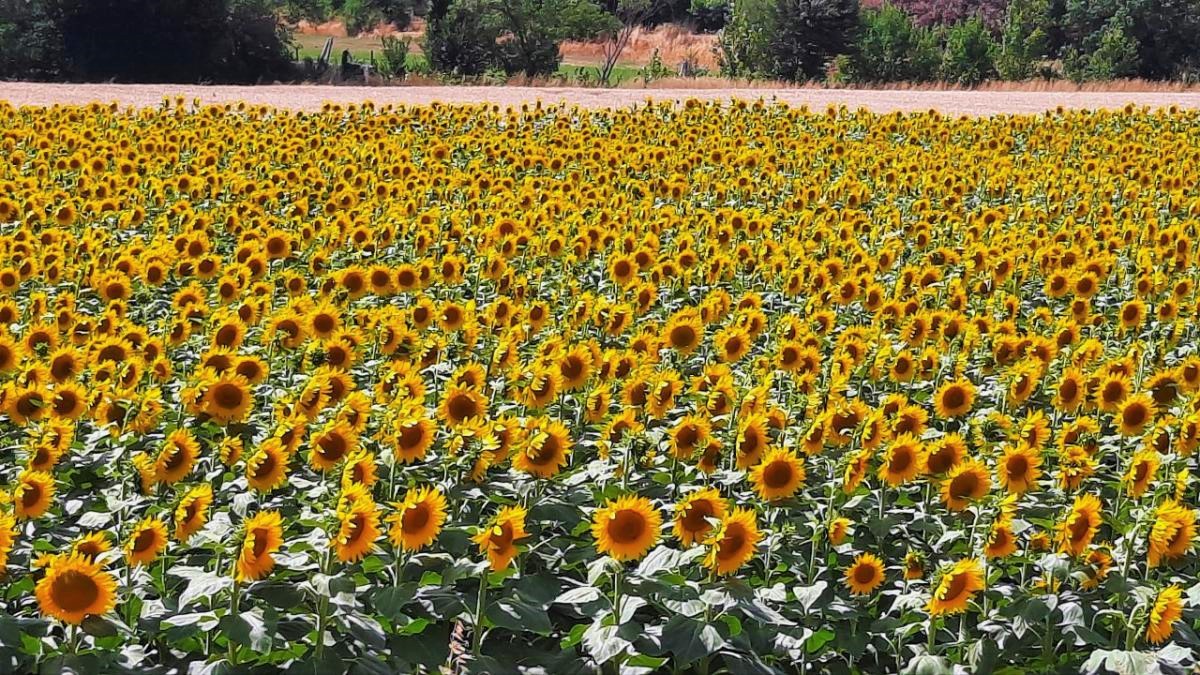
x: 660, y: 559
x: 808, y: 596
x: 519, y: 616
x: 818, y: 640
x: 603, y: 644
x: 690, y: 640
x: 1121, y: 662
x: 390, y: 602
x: 579, y: 596
x: 98, y: 626
x: 278, y: 594
x: 201, y: 584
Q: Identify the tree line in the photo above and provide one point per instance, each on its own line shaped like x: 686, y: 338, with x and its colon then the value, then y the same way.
x: 959, y: 41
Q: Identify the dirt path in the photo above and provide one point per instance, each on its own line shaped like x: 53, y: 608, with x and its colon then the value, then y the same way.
x: 312, y: 97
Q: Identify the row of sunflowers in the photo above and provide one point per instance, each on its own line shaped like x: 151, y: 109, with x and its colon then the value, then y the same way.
x: 692, y: 388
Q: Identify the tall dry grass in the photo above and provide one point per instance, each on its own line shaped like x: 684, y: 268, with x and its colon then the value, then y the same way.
x: 674, y: 43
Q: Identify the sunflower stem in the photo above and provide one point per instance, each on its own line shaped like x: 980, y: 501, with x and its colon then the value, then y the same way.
x: 234, y: 600
x: 480, y: 608
x: 322, y: 611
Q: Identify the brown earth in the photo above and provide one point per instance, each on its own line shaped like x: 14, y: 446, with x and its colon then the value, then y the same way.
x: 313, y: 97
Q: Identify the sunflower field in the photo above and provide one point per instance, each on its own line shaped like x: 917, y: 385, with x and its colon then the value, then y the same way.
x: 707, y: 388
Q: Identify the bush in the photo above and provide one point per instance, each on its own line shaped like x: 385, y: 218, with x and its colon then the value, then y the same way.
x: 1153, y: 39
x: 968, y: 58
x: 394, y: 58
x: 890, y: 48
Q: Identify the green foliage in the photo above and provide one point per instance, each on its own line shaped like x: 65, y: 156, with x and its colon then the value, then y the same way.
x: 307, y: 10
x: 463, y: 40
x: 1153, y: 39
x: 520, y: 36
x: 709, y: 15
x: 743, y: 43
x: 890, y: 48
x: 786, y: 39
x: 144, y: 40
x: 394, y: 57
x: 808, y: 34
x: 363, y: 15
x: 1024, y: 39
x: 968, y: 58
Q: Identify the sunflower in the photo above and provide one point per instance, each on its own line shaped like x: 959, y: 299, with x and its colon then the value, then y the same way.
x: 1142, y: 469
x: 903, y: 461
x: 74, y: 588
x: 228, y: 399
x: 462, y: 403
x: 954, y: 399
x: 1166, y: 610
x: 360, y: 469
x: 683, y: 332
x: 914, y: 566
x: 1076, y: 531
x: 192, y: 512
x: 1134, y: 413
x: 8, y: 536
x: 752, y: 441
x: 358, y: 529
x: 955, y: 588
x: 263, y: 536
x: 838, y: 530
x: 966, y: 482
x: 331, y: 445
x: 498, y: 539
x: 688, y: 435
x: 1001, y: 541
x: 547, y: 444
x: 267, y: 466
x: 418, y: 519
x: 694, y: 515
x: 865, y: 574
x: 33, y: 494
x: 778, y: 475
x: 734, y: 542
x: 1172, y: 533
x: 732, y: 343
x: 626, y: 528
x: 146, y: 542
x: 413, y: 436
x: 177, y: 457
x: 1019, y: 468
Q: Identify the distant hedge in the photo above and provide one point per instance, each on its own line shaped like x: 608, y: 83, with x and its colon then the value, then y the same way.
x: 227, y: 41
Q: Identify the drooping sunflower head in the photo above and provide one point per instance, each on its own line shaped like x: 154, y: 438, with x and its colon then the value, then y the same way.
x: 262, y: 536
x: 955, y: 587
x: 498, y: 539
x: 1166, y: 610
x: 695, y: 515
x: 734, y: 542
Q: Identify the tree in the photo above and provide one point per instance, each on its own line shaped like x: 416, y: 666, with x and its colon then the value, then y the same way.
x: 460, y: 38
x: 743, y: 42
x: 533, y: 30
x: 890, y: 48
x: 950, y: 12
x: 968, y: 56
x: 1162, y: 37
x: 1024, y: 39
x: 807, y: 34
x: 628, y: 15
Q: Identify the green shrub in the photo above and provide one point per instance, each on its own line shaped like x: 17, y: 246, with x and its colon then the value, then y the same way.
x: 807, y: 34
x: 394, y: 57
x: 890, y: 48
x: 709, y: 15
x: 463, y: 40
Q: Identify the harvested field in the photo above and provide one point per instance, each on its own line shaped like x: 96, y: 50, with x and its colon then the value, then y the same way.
x: 306, y: 97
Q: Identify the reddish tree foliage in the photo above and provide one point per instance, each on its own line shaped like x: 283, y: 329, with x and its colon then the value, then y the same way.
x: 947, y: 12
